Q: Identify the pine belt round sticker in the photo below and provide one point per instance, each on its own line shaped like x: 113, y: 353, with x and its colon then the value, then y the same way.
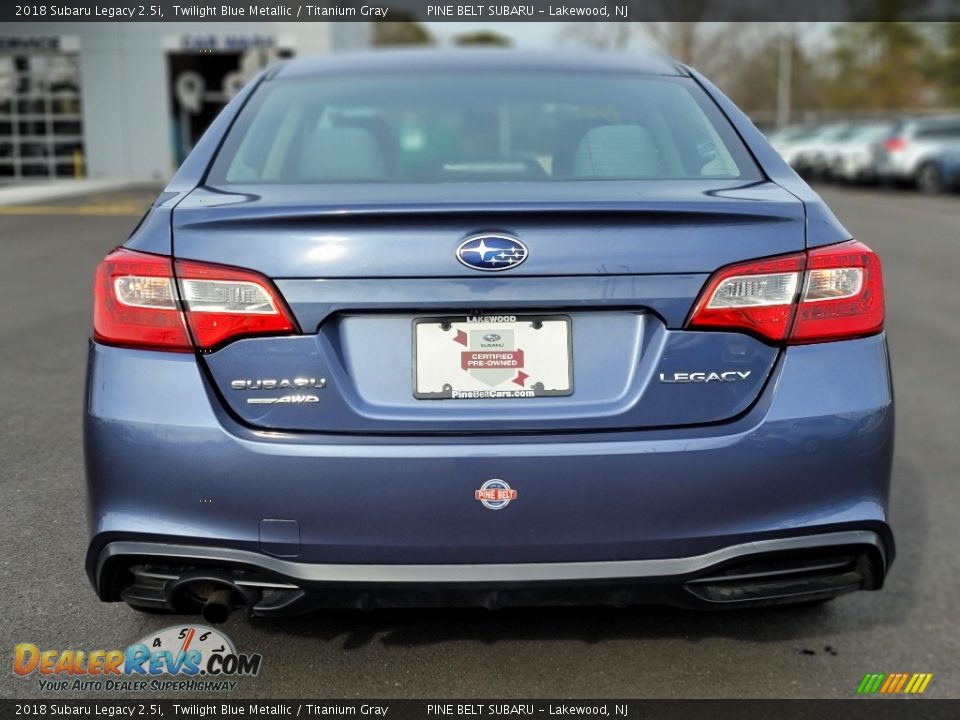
x: 495, y: 494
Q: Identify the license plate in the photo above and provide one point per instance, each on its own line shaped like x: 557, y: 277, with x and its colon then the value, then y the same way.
x: 489, y: 357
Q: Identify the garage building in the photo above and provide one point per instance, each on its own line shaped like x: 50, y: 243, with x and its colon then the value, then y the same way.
x: 128, y: 100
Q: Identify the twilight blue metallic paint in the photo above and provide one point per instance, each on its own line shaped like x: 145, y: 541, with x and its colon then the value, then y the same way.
x: 629, y: 468
x: 157, y: 449
x: 620, y: 387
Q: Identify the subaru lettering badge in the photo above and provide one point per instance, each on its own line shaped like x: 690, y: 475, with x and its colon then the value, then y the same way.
x: 491, y: 253
x: 495, y: 494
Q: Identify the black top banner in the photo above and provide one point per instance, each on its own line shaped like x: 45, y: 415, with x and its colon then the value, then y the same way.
x: 165, y: 11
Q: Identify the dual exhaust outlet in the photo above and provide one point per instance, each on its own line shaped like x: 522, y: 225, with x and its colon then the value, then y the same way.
x: 218, y: 606
x: 215, y: 595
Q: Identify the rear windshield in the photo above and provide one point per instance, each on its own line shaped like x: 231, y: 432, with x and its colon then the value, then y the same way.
x: 938, y: 129
x: 445, y: 127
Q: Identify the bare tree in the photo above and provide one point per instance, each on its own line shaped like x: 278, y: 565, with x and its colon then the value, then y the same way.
x: 711, y: 46
x: 405, y: 31
x: 600, y: 35
x: 483, y: 37
x: 682, y: 40
x: 743, y: 58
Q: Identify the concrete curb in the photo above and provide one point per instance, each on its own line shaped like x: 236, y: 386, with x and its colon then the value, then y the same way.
x: 42, y: 192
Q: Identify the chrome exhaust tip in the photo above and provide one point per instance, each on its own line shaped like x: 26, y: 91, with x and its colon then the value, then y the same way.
x: 219, y: 605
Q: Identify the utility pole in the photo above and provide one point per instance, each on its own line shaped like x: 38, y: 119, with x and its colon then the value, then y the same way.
x: 785, y: 74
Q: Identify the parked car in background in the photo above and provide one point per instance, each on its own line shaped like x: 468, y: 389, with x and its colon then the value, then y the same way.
x: 791, y: 141
x: 944, y: 176
x: 804, y: 151
x: 783, y: 138
x: 909, y: 154
x: 852, y: 159
x: 817, y: 161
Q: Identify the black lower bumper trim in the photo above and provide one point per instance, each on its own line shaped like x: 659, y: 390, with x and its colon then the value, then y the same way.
x: 760, y: 575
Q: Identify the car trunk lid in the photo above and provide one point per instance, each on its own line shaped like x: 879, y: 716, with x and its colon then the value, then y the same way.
x: 360, y: 267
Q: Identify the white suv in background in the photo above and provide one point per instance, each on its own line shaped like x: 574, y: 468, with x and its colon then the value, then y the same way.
x: 909, y: 154
x: 852, y: 160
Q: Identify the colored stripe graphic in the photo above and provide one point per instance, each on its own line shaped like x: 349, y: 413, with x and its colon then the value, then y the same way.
x: 894, y: 683
x: 889, y: 682
x: 902, y: 682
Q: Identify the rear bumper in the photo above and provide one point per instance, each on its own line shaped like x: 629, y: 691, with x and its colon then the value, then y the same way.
x: 790, y: 569
x: 166, y: 466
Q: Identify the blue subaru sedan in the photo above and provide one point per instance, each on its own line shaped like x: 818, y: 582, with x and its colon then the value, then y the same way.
x: 486, y: 328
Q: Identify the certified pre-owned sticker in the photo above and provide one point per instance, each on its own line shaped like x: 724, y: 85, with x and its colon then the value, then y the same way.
x: 495, y: 494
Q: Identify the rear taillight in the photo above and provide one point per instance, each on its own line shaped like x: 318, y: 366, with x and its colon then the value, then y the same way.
x: 140, y: 303
x: 842, y: 295
x: 135, y: 303
x: 828, y: 293
x: 758, y: 297
x: 894, y: 144
x: 224, y: 303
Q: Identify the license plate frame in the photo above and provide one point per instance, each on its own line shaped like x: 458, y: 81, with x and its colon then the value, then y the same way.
x: 482, y: 382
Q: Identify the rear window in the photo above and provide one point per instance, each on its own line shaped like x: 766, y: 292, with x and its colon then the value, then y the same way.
x: 872, y: 131
x: 939, y: 130
x: 445, y: 127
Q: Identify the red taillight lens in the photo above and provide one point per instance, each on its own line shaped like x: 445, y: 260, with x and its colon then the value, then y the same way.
x: 842, y: 296
x: 759, y: 297
x: 135, y: 303
x: 894, y: 144
x: 139, y: 303
x: 224, y: 303
x: 828, y: 293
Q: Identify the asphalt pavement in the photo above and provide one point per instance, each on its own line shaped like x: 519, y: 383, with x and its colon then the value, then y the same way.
x: 47, y: 257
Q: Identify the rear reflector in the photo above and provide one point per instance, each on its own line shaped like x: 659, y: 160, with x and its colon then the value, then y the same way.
x: 829, y: 293
x: 140, y: 303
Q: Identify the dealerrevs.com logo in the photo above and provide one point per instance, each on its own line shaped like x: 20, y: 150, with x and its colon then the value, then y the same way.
x: 179, y: 658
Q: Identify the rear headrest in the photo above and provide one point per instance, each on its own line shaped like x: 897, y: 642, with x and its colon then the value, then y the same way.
x: 341, y: 153
x: 568, y: 140
x: 617, y: 151
x: 380, y: 130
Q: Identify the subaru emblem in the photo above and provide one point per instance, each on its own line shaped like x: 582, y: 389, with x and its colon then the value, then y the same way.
x: 491, y: 337
x: 492, y: 253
